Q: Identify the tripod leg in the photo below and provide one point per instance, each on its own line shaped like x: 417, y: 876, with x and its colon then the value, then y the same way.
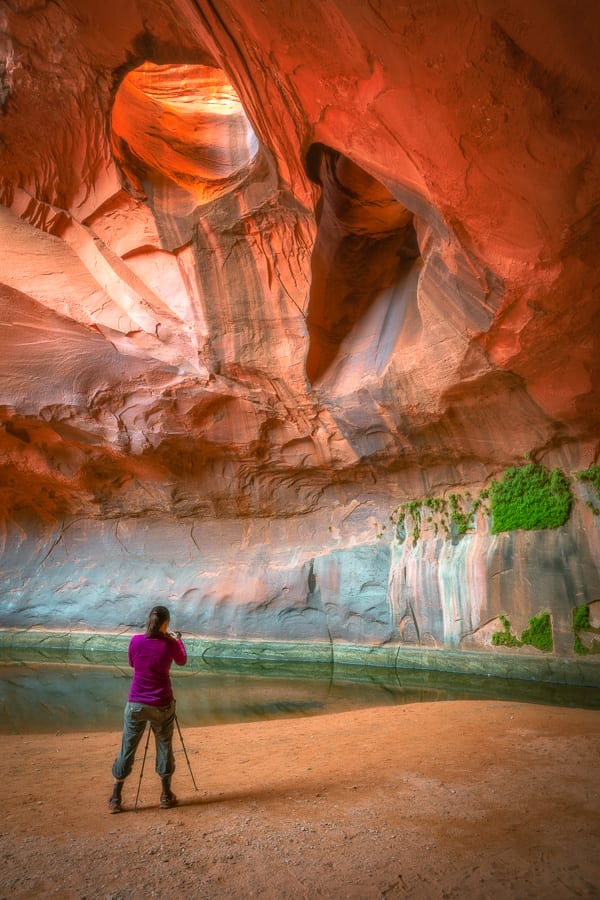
x: 185, y: 752
x: 142, y: 769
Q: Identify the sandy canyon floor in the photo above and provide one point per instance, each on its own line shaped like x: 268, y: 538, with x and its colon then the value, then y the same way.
x: 477, y: 799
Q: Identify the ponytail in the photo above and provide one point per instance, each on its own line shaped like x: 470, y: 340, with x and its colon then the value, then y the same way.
x: 158, y: 616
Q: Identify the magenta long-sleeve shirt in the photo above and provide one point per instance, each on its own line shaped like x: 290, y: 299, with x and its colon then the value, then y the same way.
x: 151, y: 659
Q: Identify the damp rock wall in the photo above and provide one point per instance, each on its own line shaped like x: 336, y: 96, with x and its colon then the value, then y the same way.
x: 333, y: 596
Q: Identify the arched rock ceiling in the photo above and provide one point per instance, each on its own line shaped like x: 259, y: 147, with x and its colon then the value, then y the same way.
x: 258, y: 257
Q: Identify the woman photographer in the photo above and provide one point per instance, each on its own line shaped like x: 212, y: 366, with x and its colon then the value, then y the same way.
x: 150, y: 700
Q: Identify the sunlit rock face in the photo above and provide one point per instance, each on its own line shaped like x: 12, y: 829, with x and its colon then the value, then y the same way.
x: 182, y: 125
x: 266, y: 274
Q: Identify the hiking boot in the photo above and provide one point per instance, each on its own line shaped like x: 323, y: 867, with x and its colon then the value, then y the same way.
x: 167, y: 800
x: 114, y: 801
x: 114, y: 804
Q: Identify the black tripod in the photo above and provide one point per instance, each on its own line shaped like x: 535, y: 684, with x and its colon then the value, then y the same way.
x: 187, y: 759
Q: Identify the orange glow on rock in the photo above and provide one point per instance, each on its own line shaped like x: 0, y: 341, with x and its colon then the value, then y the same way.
x: 184, y: 124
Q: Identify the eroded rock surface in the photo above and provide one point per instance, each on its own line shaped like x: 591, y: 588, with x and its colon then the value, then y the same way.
x: 265, y: 275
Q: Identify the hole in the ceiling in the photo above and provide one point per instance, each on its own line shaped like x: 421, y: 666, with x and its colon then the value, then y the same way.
x: 365, y: 268
x: 183, y: 124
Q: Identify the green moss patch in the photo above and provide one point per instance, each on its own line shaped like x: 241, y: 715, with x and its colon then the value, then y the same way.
x: 530, y: 497
x: 591, y: 476
x: 581, y: 618
x: 526, y: 498
x: 452, y: 517
x: 505, y: 638
x: 581, y: 623
x: 538, y: 634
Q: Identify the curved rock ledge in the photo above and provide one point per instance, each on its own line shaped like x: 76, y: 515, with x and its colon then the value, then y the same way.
x: 312, y: 659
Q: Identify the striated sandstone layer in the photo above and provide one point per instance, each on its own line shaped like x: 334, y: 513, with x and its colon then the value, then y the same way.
x: 267, y: 273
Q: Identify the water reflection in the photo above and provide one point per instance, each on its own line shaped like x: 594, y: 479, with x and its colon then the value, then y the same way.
x: 45, y: 692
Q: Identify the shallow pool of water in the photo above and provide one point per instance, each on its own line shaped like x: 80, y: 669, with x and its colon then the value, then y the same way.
x: 49, y: 692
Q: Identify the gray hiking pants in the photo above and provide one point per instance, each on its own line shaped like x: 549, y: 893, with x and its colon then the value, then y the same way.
x: 162, y: 722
